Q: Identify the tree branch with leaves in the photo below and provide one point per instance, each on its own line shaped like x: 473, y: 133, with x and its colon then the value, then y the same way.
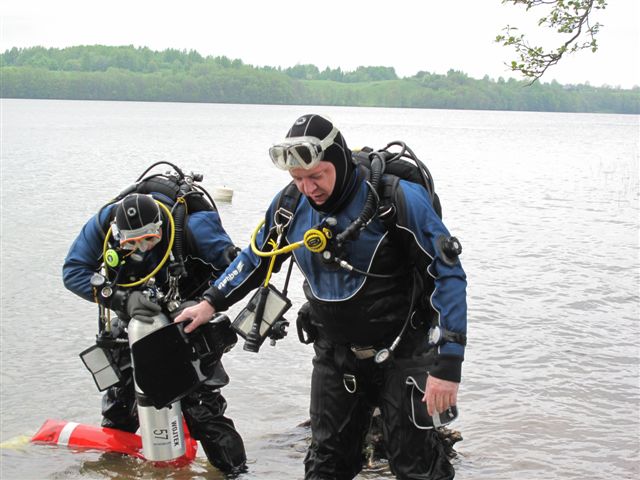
x: 570, y: 18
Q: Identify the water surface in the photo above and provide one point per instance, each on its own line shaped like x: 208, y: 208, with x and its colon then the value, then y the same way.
x: 545, y: 204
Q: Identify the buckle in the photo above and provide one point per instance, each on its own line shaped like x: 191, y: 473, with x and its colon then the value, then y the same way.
x: 285, y: 215
x: 363, y: 353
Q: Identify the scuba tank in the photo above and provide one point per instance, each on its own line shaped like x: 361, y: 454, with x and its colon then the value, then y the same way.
x: 161, y: 429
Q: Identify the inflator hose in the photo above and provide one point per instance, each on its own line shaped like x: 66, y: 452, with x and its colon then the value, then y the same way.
x: 369, y: 209
x: 179, y: 213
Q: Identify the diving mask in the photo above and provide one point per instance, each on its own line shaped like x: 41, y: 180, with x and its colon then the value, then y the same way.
x: 143, y: 238
x: 301, y: 152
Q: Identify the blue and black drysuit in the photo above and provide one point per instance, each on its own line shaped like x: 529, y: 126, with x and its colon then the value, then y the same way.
x: 208, y: 250
x: 352, y: 310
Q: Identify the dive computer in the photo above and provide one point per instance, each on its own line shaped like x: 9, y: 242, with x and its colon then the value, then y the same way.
x: 440, y: 336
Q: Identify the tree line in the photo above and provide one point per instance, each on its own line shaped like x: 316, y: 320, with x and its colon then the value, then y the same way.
x: 140, y: 74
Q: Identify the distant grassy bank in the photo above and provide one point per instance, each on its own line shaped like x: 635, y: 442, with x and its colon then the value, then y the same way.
x: 140, y: 74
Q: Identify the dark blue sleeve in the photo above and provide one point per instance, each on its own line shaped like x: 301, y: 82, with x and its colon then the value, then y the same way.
x: 248, y: 270
x: 449, y: 295
x: 210, y: 239
x: 85, y: 256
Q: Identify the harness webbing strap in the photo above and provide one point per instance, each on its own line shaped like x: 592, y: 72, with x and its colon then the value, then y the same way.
x: 287, y: 204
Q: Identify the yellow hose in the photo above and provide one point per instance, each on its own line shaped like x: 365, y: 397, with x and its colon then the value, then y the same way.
x: 314, y: 239
x: 172, y: 236
x: 271, y: 264
x: 272, y: 253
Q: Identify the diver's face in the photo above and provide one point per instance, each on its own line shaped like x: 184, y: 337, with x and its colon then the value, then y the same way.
x: 317, y: 183
x: 142, y: 244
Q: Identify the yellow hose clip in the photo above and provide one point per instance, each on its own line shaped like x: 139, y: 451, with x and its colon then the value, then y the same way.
x: 315, y: 240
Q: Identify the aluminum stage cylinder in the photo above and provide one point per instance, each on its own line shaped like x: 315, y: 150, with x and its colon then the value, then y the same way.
x: 161, y: 430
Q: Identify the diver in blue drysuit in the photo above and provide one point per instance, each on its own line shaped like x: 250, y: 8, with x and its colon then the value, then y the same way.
x: 353, y: 315
x: 208, y: 251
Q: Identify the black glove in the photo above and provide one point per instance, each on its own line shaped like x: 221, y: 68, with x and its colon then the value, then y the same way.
x: 141, y: 308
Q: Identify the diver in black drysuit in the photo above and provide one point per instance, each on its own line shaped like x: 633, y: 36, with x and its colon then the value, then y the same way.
x: 352, y: 316
x: 208, y: 251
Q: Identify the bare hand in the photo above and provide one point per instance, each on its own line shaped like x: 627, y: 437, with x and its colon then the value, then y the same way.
x: 198, y: 314
x: 439, y: 394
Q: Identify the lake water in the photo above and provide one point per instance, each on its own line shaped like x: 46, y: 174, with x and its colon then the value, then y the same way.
x: 546, y: 206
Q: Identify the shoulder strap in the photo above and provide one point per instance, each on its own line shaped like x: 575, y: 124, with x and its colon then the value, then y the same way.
x: 105, y: 223
x: 286, y: 206
x: 387, y: 191
x: 387, y: 209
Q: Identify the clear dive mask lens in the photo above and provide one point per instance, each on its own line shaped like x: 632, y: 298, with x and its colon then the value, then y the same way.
x: 143, y: 238
x: 143, y: 244
x: 301, y: 152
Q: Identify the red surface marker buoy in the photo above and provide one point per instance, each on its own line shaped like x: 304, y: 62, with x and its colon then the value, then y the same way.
x: 77, y: 435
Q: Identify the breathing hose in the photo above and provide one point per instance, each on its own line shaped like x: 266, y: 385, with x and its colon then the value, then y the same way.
x: 369, y: 209
x: 179, y: 213
x: 162, y: 162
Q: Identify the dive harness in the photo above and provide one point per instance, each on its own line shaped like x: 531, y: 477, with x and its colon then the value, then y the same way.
x: 324, y: 240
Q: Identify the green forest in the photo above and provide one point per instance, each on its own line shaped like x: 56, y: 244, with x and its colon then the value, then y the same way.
x: 139, y: 74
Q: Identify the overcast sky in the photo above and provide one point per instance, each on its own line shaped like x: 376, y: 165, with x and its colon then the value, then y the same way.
x: 409, y: 35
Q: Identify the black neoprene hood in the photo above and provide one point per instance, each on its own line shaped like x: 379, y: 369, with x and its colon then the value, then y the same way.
x: 136, y: 211
x: 337, y: 153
